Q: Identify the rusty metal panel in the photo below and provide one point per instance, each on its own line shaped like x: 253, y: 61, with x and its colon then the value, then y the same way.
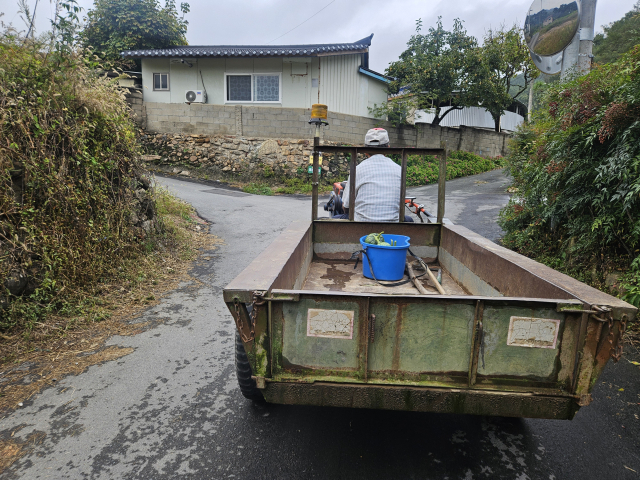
x: 463, y: 275
x: 332, y: 231
x: 503, y: 356
x: 278, y: 266
x: 475, y: 402
x: 515, y: 275
x: 324, y: 334
x: 427, y: 337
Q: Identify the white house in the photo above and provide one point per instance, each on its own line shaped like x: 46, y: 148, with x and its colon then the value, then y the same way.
x: 288, y: 76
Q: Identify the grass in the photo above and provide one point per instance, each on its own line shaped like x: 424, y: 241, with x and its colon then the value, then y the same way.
x: 425, y: 170
x: 291, y: 186
x: 420, y: 171
x: 90, y: 317
x: 555, y: 36
x: 258, y: 189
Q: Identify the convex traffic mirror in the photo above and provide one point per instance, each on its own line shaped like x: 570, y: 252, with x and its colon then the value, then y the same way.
x: 551, y: 26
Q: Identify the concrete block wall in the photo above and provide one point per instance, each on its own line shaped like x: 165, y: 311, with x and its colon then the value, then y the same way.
x: 134, y: 99
x: 292, y: 123
x: 482, y: 142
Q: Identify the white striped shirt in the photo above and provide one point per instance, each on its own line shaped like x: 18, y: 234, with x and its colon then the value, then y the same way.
x: 377, y: 190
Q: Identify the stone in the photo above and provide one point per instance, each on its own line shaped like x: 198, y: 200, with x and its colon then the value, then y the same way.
x: 186, y: 173
x: 193, y: 158
x: 16, y: 282
x: 147, y: 226
x: 226, y: 169
x: 150, y: 158
x: 175, y: 170
x: 612, y: 279
x: 268, y: 147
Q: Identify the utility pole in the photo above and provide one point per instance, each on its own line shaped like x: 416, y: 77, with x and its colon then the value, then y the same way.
x: 587, y: 32
x: 578, y: 54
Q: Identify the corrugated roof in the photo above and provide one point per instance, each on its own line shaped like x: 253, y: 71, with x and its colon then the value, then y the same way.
x: 374, y: 74
x: 253, y: 50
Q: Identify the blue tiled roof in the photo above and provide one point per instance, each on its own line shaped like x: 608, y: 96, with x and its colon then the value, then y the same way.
x: 253, y: 50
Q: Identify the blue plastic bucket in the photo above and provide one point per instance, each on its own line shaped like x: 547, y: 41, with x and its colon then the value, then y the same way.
x: 387, y: 262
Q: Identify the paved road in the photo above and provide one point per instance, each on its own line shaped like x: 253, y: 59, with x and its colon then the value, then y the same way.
x: 171, y: 409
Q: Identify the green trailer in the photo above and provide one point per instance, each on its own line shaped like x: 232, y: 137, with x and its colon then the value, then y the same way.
x: 505, y: 336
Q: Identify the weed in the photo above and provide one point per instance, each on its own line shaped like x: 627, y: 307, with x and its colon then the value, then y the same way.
x: 267, y: 171
x: 258, y: 189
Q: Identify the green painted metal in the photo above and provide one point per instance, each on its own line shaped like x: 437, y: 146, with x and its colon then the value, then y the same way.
x: 538, y: 364
x: 427, y: 353
x: 436, y: 337
x: 428, y: 337
x: 302, y: 351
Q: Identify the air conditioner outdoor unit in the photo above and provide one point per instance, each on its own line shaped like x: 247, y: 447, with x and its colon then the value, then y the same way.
x: 195, y: 96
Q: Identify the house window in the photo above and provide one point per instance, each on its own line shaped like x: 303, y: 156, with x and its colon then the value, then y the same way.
x: 239, y: 88
x: 257, y: 87
x: 161, y: 81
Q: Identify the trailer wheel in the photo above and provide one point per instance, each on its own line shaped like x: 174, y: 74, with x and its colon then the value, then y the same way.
x: 243, y: 373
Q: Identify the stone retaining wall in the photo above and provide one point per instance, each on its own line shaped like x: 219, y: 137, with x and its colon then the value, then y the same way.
x: 238, y: 142
x: 230, y: 157
x: 292, y: 123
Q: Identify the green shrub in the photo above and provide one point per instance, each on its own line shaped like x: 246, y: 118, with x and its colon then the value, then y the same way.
x: 68, y: 175
x: 258, y: 189
x: 577, y: 170
x: 425, y: 170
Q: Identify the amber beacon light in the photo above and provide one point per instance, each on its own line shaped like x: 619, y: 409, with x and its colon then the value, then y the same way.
x: 318, y: 114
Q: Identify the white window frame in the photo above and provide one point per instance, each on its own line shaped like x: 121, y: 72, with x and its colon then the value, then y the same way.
x: 153, y: 81
x: 252, y: 75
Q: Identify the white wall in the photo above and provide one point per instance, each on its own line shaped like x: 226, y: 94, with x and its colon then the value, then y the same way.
x: 342, y: 88
x: 472, y: 117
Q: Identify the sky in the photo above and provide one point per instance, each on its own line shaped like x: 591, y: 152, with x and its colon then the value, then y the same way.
x: 246, y: 22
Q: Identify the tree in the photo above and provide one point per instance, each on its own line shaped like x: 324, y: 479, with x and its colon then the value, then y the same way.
x: 437, y: 70
x: 505, y: 70
x: 117, y: 25
x: 619, y: 37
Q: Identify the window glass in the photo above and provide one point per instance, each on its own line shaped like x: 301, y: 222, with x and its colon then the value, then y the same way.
x: 266, y: 88
x: 161, y: 81
x: 239, y: 88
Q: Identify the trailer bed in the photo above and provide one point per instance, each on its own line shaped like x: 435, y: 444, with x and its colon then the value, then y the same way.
x: 341, y: 276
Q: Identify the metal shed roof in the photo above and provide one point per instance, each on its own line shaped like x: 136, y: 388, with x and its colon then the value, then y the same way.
x: 254, y: 50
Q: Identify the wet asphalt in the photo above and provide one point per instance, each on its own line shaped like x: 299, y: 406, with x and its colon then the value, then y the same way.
x: 171, y: 409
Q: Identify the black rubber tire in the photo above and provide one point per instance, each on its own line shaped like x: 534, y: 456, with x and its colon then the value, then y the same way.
x: 243, y: 373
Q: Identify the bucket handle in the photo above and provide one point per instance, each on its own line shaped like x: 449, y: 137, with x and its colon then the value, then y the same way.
x: 356, y: 256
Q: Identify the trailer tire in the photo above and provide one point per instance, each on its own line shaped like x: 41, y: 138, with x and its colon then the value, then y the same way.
x: 243, y: 373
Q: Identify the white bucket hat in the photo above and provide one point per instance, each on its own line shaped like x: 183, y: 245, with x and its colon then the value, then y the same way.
x: 376, y: 137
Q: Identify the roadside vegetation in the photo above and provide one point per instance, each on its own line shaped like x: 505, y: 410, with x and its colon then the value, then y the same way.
x: 83, y: 232
x: 291, y: 186
x: 618, y: 37
x: 576, y: 168
x: 421, y: 170
x: 425, y: 170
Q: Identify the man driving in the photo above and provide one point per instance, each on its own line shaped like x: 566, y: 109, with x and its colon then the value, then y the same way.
x: 377, y: 184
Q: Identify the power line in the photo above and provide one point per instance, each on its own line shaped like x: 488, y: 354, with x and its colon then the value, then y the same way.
x: 302, y: 22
